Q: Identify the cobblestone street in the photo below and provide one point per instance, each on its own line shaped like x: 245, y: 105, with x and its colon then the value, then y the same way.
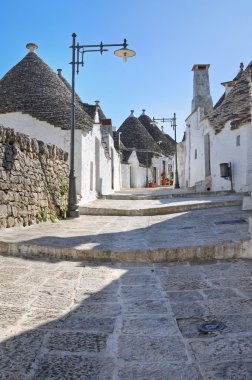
x: 75, y: 320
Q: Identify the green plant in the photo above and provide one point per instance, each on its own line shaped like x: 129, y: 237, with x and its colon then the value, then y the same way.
x: 171, y: 175
x: 63, y: 187
x: 163, y: 175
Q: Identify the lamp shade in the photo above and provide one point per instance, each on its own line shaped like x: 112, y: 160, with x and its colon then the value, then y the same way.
x: 125, y: 53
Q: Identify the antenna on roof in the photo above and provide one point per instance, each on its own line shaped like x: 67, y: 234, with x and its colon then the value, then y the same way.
x: 31, y: 46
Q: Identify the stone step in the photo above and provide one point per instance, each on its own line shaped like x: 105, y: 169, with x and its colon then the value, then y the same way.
x: 225, y: 250
x: 164, y: 193
x: 167, y: 206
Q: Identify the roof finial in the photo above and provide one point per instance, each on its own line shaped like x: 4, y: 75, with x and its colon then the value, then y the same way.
x: 132, y: 113
x: 143, y: 112
x: 241, y: 66
x: 97, y: 102
x: 31, y: 46
x: 59, y: 72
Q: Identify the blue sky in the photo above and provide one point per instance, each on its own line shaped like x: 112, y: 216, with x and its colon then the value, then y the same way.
x: 168, y: 36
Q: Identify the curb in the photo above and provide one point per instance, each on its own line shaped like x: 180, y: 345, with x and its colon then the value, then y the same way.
x: 157, y: 210
x: 225, y: 250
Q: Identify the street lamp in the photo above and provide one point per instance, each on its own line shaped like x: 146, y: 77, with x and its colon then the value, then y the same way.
x: 172, y: 120
x: 78, y: 52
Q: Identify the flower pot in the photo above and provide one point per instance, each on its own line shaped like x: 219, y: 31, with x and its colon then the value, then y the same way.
x: 171, y: 182
x: 163, y: 182
x: 152, y: 184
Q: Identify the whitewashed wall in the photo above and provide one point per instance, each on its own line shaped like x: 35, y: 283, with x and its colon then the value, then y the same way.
x: 88, y: 151
x: 181, y: 152
x: 125, y: 176
x: 224, y: 149
x: 194, y: 167
x: 35, y: 128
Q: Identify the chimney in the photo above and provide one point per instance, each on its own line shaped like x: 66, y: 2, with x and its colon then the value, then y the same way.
x: 59, y: 72
x: 201, y: 88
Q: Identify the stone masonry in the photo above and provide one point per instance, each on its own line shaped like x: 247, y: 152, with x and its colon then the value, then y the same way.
x: 33, y: 180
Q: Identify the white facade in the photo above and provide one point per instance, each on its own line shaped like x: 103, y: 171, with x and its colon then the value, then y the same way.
x: 136, y: 176
x: 205, y: 151
x: 97, y: 162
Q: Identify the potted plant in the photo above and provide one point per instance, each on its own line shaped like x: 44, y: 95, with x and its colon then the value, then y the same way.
x: 152, y: 184
x: 171, y: 178
x: 163, y: 179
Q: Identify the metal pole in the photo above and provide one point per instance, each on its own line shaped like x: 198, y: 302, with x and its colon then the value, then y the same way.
x: 176, y: 183
x: 73, y: 211
x: 147, y: 176
x: 231, y: 176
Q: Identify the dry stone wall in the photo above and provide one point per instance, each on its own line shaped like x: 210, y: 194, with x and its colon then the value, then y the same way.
x: 33, y: 180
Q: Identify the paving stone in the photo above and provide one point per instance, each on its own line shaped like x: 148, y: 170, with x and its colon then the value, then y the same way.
x: 140, y: 292
x: 74, y: 367
x: 150, y: 326
x: 229, y: 306
x: 233, y: 282
x: 102, y: 309
x: 145, y: 306
x: 15, y: 299
x: 158, y: 371
x: 221, y: 293
x: 76, y: 341
x: 246, y: 292
x: 18, y: 353
x: 227, y: 269
x: 49, y: 301
x: 239, y: 370
x: 184, y: 296
x: 223, y: 348
x: 9, y: 315
x: 40, y: 318
x: 151, y: 349
x: 189, y: 309
x: 78, y: 321
x: 101, y: 297
x: 138, y: 280
x: 182, y: 282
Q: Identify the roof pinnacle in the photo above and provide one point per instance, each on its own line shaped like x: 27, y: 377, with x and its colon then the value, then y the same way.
x: 31, y: 46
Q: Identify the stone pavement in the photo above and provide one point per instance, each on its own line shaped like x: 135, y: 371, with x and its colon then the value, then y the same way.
x: 211, y: 233
x: 78, y: 320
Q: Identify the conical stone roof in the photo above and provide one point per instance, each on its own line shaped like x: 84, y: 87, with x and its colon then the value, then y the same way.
x: 135, y: 136
x: 33, y: 88
x: 235, y: 106
x: 167, y: 146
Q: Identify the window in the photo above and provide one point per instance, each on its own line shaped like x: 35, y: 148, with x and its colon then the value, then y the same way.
x: 195, y: 154
x: 238, y: 140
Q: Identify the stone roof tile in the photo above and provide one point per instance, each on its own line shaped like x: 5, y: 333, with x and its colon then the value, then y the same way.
x: 33, y: 88
x: 167, y: 145
x: 135, y: 136
x: 235, y: 106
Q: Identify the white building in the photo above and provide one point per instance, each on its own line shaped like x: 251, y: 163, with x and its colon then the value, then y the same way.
x: 36, y: 101
x: 219, y: 134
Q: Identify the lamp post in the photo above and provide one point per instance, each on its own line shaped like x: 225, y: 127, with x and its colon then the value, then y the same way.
x: 173, y: 122
x: 78, y: 52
